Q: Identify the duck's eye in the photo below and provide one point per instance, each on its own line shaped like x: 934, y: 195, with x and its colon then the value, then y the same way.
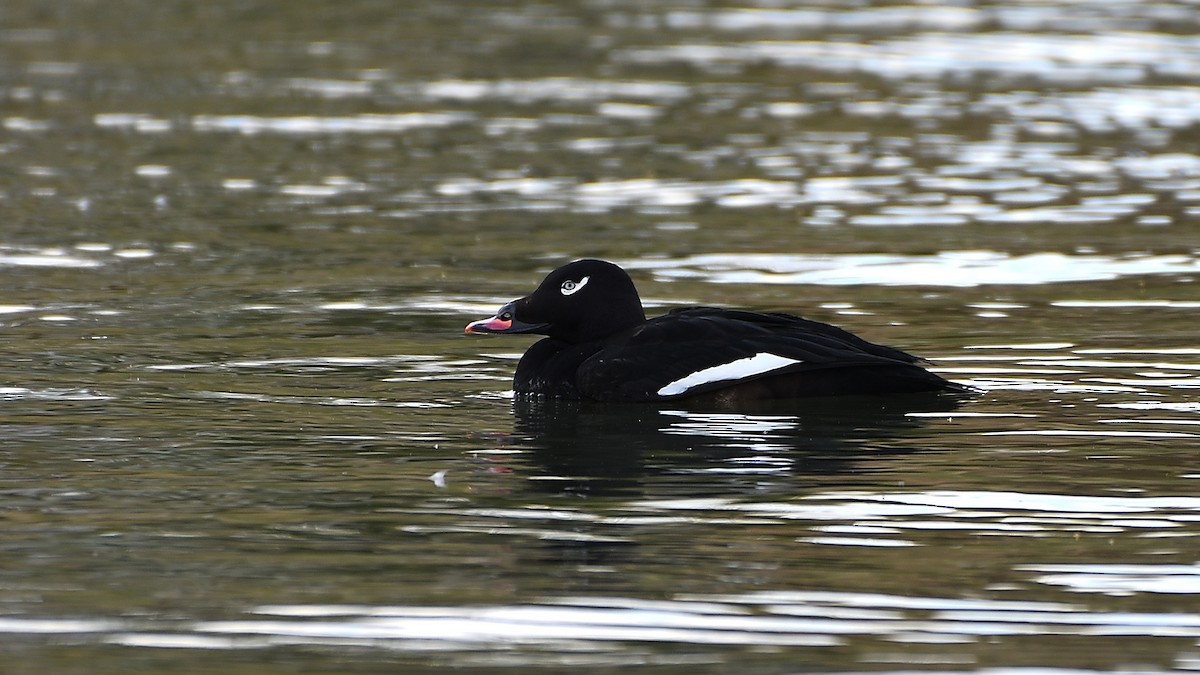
x: 506, y: 316
x: 570, y: 287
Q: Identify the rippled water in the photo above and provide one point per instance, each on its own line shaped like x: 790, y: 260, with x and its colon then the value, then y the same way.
x: 242, y: 430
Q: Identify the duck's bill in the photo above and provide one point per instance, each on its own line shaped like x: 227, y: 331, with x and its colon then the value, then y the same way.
x: 492, y: 325
x: 503, y: 322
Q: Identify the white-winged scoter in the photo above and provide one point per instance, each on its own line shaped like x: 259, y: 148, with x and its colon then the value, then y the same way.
x: 600, y: 346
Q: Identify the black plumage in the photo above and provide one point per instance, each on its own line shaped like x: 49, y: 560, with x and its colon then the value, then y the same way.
x: 600, y: 346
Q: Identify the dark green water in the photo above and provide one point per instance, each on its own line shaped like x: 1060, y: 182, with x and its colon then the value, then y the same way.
x: 241, y: 430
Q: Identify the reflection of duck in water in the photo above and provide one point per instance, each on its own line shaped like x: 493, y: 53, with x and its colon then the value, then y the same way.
x: 599, y: 448
x: 600, y: 346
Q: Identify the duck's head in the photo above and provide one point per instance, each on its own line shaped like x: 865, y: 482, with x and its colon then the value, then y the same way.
x: 578, y: 302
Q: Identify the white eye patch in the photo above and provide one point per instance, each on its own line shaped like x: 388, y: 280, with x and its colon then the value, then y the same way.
x: 572, y: 287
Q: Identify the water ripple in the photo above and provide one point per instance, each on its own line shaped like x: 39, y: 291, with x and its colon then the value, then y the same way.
x: 600, y: 196
x: 553, y: 89
x: 778, y: 618
x: 541, y: 625
x: 44, y: 257
x: 1120, y: 580
x: 309, y: 124
x: 947, y: 268
x: 1115, y: 57
x: 875, y: 519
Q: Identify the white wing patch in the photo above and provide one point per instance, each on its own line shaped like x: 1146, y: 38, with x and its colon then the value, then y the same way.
x: 760, y: 363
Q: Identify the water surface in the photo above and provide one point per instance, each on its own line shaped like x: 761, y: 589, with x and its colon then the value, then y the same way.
x: 242, y: 430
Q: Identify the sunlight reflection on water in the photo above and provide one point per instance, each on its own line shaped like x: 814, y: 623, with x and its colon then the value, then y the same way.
x: 947, y: 268
x: 53, y: 257
x: 596, y: 625
x: 1120, y: 580
x: 887, y: 517
x: 1112, y: 57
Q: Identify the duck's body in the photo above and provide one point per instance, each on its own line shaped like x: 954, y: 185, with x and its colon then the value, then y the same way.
x: 601, y: 347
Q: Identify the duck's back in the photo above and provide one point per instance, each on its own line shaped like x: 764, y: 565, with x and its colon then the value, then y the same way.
x: 740, y: 355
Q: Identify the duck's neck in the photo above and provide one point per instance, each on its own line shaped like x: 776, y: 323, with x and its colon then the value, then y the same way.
x: 603, y: 322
